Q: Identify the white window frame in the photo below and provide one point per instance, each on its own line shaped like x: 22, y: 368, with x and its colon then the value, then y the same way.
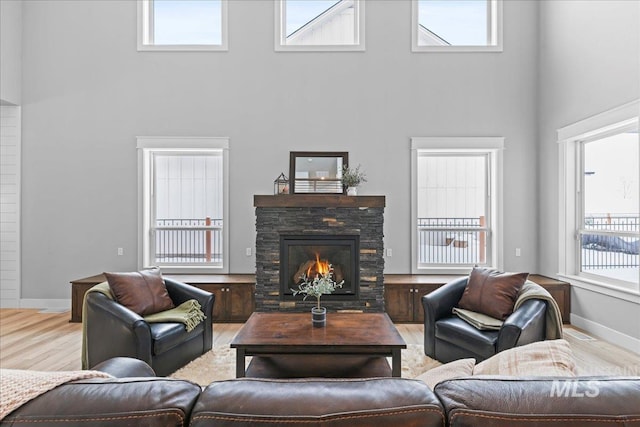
x: 569, y: 141
x: 491, y: 146
x: 281, y: 34
x: 495, y: 32
x: 145, y: 32
x: 146, y: 147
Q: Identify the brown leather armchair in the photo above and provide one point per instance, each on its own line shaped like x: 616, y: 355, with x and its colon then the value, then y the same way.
x: 113, y: 330
x: 448, y: 338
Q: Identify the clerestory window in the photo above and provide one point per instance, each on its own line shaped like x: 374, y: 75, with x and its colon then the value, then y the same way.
x: 319, y: 25
x: 182, y: 25
x: 456, y: 25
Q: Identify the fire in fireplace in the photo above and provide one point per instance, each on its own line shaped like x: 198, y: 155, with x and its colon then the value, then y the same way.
x: 314, y: 268
x: 307, y: 256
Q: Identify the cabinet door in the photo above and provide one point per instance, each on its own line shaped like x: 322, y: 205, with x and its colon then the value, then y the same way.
x: 219, y: 304
x: 418, y: 292
x: 398, y: 300
x: 240, y: 302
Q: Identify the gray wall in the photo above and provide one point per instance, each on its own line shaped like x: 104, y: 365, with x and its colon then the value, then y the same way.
x: 10, y: 51
x: 87, y: 93
x: 589, y: 63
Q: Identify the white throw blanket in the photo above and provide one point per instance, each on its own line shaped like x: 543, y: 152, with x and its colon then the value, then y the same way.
x: 18, y: 387
x: 532, y: 290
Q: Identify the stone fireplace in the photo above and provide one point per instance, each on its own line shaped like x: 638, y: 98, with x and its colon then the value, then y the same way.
x: 299, y: 234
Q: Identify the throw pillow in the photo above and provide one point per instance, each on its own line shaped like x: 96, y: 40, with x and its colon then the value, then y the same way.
x: 492, y: 292
x: 142, y: 292
x: 456, y: 369
x: 543, y: 358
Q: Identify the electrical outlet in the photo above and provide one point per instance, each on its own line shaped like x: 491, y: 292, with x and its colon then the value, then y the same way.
x: 120, y: 251
x: 248, y: 251
x: 389, y: 252
x: 517, y: 251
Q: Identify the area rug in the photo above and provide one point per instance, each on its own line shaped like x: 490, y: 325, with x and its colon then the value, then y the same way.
x: 220, y: 364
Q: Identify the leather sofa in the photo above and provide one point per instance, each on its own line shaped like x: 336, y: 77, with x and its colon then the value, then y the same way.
x: 138, y: 398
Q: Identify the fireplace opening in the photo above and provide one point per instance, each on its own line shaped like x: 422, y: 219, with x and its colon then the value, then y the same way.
x: 307, y: 256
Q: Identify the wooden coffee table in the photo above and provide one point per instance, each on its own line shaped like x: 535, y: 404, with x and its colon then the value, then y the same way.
x: 346, y: 334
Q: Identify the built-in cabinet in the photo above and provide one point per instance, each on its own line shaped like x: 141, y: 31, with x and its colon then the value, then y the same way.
x: 235, y: 294
x: 403, y: 294
x: 234, y: 302
x: 559, y: 290
x: 79, y: 287
x: 404, y: 302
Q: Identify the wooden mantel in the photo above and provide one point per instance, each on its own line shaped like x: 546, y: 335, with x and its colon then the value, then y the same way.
x: 317, y: 201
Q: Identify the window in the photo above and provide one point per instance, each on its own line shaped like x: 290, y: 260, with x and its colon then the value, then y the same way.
x: 182, y: 24
x: 184, y: 203
x: 320, y: 25
x: 609, y: 232
x: 456, y: 25
x: 454, y: 203
x: 601, y: 218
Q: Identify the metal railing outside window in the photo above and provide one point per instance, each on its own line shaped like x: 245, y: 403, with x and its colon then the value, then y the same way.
x: 452, y: 241
x: 188, y: 241
x: 610, y: 242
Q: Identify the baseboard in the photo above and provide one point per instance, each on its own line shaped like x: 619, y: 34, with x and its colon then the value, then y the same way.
x: 46, y: 304
x: 606, y: 333
x: 10, y: 303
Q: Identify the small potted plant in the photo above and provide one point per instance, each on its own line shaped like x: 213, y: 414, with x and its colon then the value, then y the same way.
x: 320, y: 285
x: 351, y: 178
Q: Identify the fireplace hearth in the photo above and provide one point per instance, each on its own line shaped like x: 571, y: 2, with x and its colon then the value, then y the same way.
x: 296, y: 234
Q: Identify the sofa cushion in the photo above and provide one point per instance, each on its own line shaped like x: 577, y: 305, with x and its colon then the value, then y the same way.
x: 456, y: 369
x: 121, y: 402
x: 458, y: 332
x: 166, y: 336
x: 542, y: 358
x: 142, y: 292
x: 314, y: 402
x: 529, y: 401
x: 492, y: 292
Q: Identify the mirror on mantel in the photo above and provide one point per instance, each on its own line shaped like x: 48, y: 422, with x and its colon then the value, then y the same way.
x: 317, y: 172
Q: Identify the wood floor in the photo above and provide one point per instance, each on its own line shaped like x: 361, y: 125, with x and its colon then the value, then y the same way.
x: 47, y: 341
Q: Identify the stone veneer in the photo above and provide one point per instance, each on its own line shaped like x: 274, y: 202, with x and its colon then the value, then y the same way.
x: 313, y: 215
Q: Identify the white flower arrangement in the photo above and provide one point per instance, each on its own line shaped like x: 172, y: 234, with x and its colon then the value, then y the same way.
x: 320, y: 285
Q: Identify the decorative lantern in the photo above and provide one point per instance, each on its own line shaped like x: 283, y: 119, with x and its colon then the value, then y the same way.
x: 281, y: 184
